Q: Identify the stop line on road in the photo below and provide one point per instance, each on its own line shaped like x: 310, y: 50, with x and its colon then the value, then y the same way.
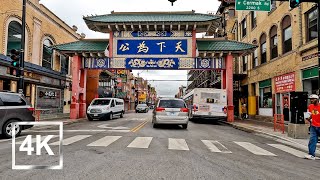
x: 179, y: 145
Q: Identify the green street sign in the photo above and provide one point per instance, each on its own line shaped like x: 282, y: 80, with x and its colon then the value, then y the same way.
x: 253, y: 5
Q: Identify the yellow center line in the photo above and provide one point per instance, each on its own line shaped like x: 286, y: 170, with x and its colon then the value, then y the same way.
x: 133, y: 129
x: 140, y: 127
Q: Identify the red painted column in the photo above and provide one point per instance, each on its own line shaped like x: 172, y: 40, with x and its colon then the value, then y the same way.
x: 82, y: 95
x: 224, y: 79
x: 74, y: 108
x: 194, y: 44
x: 229, y: 84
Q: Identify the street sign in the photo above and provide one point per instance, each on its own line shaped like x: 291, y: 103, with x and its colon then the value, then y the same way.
x: 253, y: 5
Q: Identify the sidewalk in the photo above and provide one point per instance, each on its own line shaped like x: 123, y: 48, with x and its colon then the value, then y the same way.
x: 265, y: 129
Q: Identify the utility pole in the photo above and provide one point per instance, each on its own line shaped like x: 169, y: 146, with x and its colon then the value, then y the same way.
x: 318, y: 48
x: 23, y: 40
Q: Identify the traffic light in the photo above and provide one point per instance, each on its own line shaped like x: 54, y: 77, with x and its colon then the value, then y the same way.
x: 15, y: 56
x: 294, y: 3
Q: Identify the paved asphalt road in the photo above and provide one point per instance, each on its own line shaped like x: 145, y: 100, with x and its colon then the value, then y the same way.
x: 129, y: 148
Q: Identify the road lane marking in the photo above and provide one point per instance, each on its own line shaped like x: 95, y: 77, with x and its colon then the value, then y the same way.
x: 122, y: 131
x: 213, y: 146
x: 178, y: 144
x: 105, y: 141
x: 255, y: 149
x: 71, y: 140
x: 135, y: 129
x: 5, y: 140
x: 33, y: 140
x: 140, y: 142
x: 72, y: 130
x: 289, y: 150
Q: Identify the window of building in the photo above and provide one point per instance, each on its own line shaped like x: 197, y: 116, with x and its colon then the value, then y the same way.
x: 231, y: 12
x: 64, y: 64
x: 243, y: 28
x: 287, y: 34
x: 14, y: 36
x: 253, y: 19
x: 244, y: 63
x: 266, y: 97
x: 312, y: 25
x: 263, y: 48
x: 47, y: 54
x: 255, y: 56
x: 273, y: 5
x: 274, y: 42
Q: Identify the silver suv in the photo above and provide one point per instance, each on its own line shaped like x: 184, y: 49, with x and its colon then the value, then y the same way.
x: 171, y: 111
x: 14, y: 108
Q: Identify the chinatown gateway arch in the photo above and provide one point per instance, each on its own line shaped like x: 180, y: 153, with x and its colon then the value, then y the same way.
x: 149, y: 40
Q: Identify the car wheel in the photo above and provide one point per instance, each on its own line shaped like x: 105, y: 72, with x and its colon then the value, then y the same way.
x: 7, y: 129
x: 136, y: 111
x: 121, y: 115
x: 184, y: 126
x: 111, y: 116
x: 90, y: 119
x: 155, y: 125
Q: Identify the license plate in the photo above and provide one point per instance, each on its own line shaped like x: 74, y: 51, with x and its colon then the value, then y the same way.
x: 172, y: 113
x: 95, y: 114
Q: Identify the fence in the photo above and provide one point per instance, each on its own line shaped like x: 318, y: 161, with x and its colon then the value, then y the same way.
x: 278, y: 122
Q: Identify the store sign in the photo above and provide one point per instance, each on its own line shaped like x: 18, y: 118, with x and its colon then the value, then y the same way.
x: 285, y: 83
x: 311, y: 56
x: 48, y: 98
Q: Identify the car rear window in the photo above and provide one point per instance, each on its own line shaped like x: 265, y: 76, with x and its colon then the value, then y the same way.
x: 101, y: 102
x: 12, y: 100
x: 172, y: 104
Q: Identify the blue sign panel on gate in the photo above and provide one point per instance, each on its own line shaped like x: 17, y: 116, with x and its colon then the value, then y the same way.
x: 152, y: 63
x: 152, y: 47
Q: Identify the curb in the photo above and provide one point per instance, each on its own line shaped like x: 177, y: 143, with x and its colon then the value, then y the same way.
x: 66, y: 122
x: 272, y: 136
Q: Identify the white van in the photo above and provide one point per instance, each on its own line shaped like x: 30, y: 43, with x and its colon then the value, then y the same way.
x: 105, y: 108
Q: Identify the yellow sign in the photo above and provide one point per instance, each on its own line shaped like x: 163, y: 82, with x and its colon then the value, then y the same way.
x: 142, y: 96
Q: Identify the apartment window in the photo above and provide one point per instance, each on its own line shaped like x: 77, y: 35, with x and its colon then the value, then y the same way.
x: 231, y: 12
x: 14, y: 36
x: 244, y: 28
x: 263, y: 48
x: 287, y: 34
x: 274, y: 42
x: 312, y: 25
x: 255, y: 56
x: 244, y: 63
x: 47, y: 54
x: 253, y: 19
x: 273, y: 5
x: 64, y: 64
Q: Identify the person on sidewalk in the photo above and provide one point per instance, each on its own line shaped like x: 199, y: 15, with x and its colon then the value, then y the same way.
x: 314, y: 109
x: 244, y: 111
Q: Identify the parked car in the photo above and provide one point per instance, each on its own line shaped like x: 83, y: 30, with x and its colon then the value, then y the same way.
x: 142, y: 108
x: 171, y: 111
x: 14, y: 108
x: 105, y: 108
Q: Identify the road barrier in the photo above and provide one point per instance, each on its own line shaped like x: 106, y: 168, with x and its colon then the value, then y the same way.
x: 278, y: 122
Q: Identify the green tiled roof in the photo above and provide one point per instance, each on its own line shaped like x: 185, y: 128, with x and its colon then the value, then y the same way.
x: 84, y: 45
x: 203, y: 45
x: 152, y: 17
x: 223, y: 45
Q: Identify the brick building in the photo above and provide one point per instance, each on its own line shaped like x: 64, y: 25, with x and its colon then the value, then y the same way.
x: 47, y: 73
x: 284, y: 62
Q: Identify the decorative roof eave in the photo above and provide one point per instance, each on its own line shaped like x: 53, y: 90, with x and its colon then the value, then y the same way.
x: 153, y: 21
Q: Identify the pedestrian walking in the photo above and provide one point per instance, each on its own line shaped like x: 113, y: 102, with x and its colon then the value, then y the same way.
x: 314, y: 109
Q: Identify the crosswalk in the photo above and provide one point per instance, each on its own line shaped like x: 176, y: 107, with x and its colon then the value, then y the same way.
x: 176, y: 144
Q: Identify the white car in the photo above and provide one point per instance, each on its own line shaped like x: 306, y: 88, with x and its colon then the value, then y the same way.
x: 105, y: 108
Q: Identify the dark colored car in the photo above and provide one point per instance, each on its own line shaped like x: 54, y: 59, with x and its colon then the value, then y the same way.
x: 14, y: 108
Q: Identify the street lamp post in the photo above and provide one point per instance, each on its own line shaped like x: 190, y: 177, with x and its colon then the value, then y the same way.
x: 23, y: 40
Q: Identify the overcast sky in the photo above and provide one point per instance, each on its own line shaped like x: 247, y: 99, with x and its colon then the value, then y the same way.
x: 72, y: 12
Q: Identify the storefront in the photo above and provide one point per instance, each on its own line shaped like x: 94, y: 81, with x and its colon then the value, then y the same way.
x: 284, y: 84
x: 310, y: 80
x: 265, y: 99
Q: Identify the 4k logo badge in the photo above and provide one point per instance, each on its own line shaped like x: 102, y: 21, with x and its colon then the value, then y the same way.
x: 31, y: 147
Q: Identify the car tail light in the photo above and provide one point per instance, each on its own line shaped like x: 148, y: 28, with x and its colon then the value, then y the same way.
x: 31, y: 109
x: 184, y: 110
x: 160, y: 109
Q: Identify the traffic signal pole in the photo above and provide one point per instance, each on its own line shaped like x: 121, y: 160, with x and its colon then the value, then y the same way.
x: 23, y: 40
